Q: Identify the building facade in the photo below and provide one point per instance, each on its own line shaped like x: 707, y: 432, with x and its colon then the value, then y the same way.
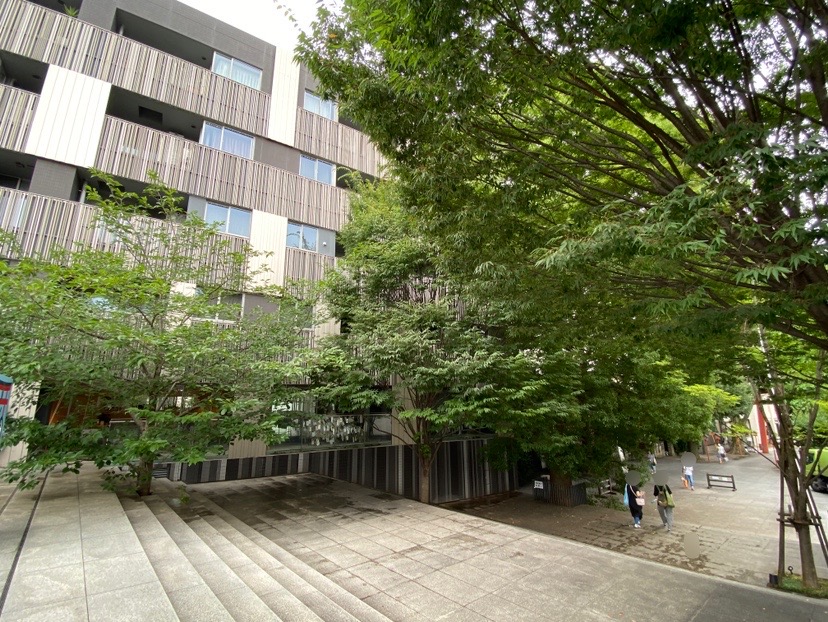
x: 230, y: 121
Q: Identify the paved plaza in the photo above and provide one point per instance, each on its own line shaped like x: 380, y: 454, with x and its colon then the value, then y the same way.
x: 738, y: 531
x: 306, y: 547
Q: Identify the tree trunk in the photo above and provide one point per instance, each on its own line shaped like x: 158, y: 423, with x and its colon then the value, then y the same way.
x: 806, y: 554
x: 425, y: 480
x: 143, y: 474
x: 798, y: 493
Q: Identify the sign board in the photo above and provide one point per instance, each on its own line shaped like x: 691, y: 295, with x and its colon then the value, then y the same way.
x: 5, y: 395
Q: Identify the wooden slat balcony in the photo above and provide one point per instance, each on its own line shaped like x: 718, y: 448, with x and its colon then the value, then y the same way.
x: 33, y: 225
x: 17, y: 109
x: 35, y: 32
x: 336, y: 143
x: 130, y: 150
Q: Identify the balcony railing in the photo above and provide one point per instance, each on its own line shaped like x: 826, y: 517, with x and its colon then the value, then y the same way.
x: 51, y: 37
x: 49, y: 228
x: 16, y: 112
x: 130, y: 150
x: 336, y: 142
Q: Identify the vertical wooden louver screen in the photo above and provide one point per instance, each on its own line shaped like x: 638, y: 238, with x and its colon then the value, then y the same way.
x: 306, y: 266
x: 16, y: 112
x: 130, y: 150
x: 50, y: 228
x: 336, y: 142
x: 51, y: 37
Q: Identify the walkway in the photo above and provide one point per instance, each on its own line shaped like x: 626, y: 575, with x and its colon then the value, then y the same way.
x: 737, y: 531
x: 309, y: 548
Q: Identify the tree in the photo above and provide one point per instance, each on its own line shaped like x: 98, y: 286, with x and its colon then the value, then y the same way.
x: 408, y: 340
x: 671, y: 153
x: 147, y: 326
x: 457, y: 362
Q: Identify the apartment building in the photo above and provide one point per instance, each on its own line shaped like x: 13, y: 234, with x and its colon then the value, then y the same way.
x: 232, y: 122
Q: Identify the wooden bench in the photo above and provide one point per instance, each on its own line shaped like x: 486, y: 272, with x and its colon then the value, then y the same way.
x: 723, y: 481
x: 605, y: 487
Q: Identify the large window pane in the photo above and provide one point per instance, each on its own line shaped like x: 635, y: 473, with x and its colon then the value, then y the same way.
x: 211, y: 136
x: 222, y: 65
x: 246, y: 74
x: 312, y: 102
x: 294, y: 235
x: 327, y: 109
x: 237, y: 143
x: 309, y: 238
x: 324, y: 172
x: 324, y: 107
x: 239, y: 222
x: 237, y: 70
x: 216, y: 214
x: 307, y: 167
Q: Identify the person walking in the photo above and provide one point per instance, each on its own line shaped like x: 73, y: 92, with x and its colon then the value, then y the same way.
x: 664, y: 502
x: 652, y: 460
x: 636, y: 501
x: 721, y: 453
x: 688, y: 477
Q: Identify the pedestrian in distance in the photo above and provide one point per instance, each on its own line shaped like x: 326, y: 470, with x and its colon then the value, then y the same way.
x: 687, y: 475
x: 634, y: 499
x: 652, y: 460
x: 665, y: 504
x: 721, y: 453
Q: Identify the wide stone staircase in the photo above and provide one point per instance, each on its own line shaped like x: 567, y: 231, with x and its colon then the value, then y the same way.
x: 161, y: 560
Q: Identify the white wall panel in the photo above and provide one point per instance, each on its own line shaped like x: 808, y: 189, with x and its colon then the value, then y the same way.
x: 22, y: 405
x: 282, y: 124
x: 268, y: 235
x: 69, y: 118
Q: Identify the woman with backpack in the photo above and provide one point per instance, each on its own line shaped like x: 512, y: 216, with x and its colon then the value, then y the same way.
x: 664, y: 502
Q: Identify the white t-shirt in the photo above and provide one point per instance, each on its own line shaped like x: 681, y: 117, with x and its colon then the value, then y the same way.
x: 688, y: 471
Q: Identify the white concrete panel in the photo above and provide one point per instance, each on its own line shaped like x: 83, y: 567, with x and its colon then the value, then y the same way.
x: 22, y: 405
x: 268, y: 236
x: 284, y: 98
x: 69, y: 117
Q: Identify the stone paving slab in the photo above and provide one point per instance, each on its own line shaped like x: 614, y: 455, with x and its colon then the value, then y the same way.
x: 82, y: 561
x: 738, y: 531
x: 461, y: 567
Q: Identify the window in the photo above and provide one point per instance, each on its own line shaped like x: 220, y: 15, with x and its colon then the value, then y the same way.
x: 302, y: 236
x: 230, y: 220
x: 317, y: 169
x: 323, y: 107
x: 237, y: 70
x: 227, y: 140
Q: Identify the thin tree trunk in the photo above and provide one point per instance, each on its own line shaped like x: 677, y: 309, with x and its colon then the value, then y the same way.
x: 144, y: 476
x: 425, y: 479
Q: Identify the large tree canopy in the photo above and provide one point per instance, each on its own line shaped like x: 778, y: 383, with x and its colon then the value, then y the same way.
x: 679, y: 147
x: 646, y: 157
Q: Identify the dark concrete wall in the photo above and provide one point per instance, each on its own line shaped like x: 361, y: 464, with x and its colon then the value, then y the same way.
x: 55, y: 179
x: 276, y: 154
x: 187, y: 22
x: 459, y: 471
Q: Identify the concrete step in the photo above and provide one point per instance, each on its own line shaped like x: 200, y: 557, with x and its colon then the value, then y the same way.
x: 82, y: 561
x: 344, y: 599
x: 255, y: 567
x: 191, y: 597
x: 238, y: 598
